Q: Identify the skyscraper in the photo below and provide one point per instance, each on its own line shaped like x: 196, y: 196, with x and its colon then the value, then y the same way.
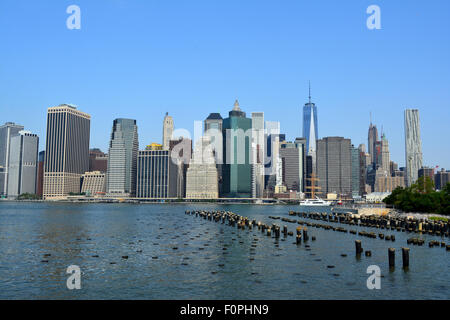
x: 310, y: 128
x: 413, y: 146
x: 258, y: 142
x: 355, y: 172
x: 167, y: 131
x: 122, y: 157
x: 213, y: 129
x: 371, y: 143
x: 156, y: 175
x: 237, y: 169
x: 66, y: 150
x: 334, y: 165
x: 293, y: 157
x: 23, y: 164
x: 8, y: 130
x: 271, y: 156
x: 202, y: 177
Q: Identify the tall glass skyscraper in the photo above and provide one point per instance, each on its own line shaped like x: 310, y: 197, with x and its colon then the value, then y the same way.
x: 122, y: 158
x: 237, y: 170
x: 310, y: 129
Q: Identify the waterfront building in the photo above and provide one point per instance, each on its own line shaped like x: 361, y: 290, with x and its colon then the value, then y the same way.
x: 122, y: 157
x: 167, y: 131
x: 237, y: 168
x: 293, y: 158
x: 156, y: 175
x: 8, y: 130
x: 23, y: 164
x: 98, y: 161
x: 441, y: 179
x: 413, y: 146
x: 310, y: 129
x: 40, y: 176
x: 334, y: 166
x: 94, y: 183
x: 202, y: 176
x: 66, y: 150
x: 364, y: 161
x: 356, y: 172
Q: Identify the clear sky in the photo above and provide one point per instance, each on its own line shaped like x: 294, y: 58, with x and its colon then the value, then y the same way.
x: 140, y: 58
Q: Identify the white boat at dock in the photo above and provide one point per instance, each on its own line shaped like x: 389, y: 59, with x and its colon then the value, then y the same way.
x: 315, y: 202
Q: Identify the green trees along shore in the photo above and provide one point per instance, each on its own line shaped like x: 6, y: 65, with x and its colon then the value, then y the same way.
x: 421, y: 197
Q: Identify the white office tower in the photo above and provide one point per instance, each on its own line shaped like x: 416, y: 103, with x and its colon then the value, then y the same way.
x: 201, y: 176
x: 167, y: 131
x: 413, y: 146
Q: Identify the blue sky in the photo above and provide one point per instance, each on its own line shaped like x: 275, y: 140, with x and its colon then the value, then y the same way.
x: 141, y: 58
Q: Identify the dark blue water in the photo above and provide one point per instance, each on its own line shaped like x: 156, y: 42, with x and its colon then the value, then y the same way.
x: 198, y: 269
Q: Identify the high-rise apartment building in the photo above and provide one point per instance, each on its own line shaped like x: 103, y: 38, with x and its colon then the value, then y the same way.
x: 23, y: 164
x: 334, y: 166
x: 310, y: 129
x: 8, y: 130
x: 237, y: 168
x: 413, y: 146
x: 66, y: 150
x: 167, y: 131
x: 122, y: 157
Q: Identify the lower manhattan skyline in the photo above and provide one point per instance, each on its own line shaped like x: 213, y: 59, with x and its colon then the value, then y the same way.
x: 137, y: 60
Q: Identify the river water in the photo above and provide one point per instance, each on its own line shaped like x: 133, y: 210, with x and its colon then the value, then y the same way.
x: 176, y: 256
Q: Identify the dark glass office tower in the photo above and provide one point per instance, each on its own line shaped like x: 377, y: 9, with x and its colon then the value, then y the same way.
x: 237, y: 168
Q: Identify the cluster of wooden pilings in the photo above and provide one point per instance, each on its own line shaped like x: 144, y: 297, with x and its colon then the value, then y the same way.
x: 401, y: 224
x: 232, y: 219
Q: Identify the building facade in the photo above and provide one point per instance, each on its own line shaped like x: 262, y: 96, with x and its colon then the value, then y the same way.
x: 293, y: 158
x: 40, y: 177
x: 94, y: 183
x: 156, y: 175
x: 167, y: 131
x: 23, y: 164
x: 334, y: 166
x: 7, y: 131
x: 98, y: 160
x: 413, y: 146
x: 356, y: 172
x: 66, y: 150
x: 202, y: 176
x: 310, y: 129
x: 122, y: 157
x: 441, y: 179
x: 237, y: 168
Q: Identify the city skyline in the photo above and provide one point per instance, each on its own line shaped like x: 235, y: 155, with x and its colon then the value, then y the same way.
x: 210, y: 73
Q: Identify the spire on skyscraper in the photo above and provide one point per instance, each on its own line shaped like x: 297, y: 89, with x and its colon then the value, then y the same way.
x: 236, y: 106
x: 309, y: 91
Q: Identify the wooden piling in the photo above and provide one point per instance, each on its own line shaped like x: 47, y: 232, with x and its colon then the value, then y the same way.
x: 405, y: 257
x: 391, y: 253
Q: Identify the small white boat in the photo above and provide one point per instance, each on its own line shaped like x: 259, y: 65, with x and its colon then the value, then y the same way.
x: 315, y: 202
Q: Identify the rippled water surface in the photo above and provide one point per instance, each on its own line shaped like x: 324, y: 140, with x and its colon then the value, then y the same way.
x: 176, y: 256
